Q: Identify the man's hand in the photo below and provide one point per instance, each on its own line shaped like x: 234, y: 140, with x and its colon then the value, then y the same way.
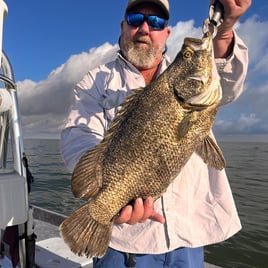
x: 140, y: 212
x: 233, y: 10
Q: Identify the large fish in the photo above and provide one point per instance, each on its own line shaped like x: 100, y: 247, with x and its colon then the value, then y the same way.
x: 154, y: 134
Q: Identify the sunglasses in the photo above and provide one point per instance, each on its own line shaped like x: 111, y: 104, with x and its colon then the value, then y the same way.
x: 155, y: 22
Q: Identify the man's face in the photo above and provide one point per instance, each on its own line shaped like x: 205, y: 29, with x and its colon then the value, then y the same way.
x: 143, y: 46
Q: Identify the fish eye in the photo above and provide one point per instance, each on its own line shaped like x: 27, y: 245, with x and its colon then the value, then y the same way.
x: 187, y: 53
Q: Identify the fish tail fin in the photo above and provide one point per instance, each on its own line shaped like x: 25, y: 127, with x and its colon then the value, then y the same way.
x: 84, y: 235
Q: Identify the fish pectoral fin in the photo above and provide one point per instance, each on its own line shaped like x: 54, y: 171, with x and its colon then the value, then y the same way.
x: 87, y: 175
x: 211, y: 153
x: 186, y: 123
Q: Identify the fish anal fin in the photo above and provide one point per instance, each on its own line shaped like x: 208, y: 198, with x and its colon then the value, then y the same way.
x: 87, y: 175
x: 210, y: 152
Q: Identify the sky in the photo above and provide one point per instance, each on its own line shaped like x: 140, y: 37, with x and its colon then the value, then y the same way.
x: 51, y: 44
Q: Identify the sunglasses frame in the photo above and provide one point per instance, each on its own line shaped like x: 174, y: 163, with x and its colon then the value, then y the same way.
x: 147, y: 19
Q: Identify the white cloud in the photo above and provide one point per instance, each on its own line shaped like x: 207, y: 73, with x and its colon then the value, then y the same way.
x: 255, y: 37
x: 246, y: 123
x: 178, y: 33
x: 45, y: 104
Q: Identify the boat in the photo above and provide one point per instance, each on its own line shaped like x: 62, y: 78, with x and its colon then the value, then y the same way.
x: 25, y: 242
x: 29, y: 235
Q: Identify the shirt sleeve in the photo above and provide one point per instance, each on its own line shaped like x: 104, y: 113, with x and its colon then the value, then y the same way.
x: 233, y: 71
x: 86, y: 122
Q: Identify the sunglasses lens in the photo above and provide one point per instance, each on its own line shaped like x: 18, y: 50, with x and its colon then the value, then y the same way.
x: 137, y: 19
x: 156, y: 22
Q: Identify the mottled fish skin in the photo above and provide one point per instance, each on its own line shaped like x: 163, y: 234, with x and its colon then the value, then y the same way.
x: 154, y: 134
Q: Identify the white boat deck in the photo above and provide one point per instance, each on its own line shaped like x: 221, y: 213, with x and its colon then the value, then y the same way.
x: 48, y: 234
x: 51, y: 251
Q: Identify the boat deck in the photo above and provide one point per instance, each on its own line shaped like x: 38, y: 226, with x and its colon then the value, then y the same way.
x: 51, y: 251
x: 50, y: 232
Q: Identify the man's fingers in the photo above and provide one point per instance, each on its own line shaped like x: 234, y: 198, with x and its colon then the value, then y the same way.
x: 157, y: 217
x: 138, y: 212
x: 124, y: 216
x: 148, y: 208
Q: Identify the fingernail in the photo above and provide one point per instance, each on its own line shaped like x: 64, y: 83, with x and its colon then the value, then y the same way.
x: 139, y: 201
x: 149, y: 201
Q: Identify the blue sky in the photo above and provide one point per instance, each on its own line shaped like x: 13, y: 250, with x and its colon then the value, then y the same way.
x: 40, y: 35
x: 52, y: 43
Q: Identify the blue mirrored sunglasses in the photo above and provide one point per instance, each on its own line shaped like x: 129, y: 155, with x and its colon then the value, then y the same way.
x: 155, y: 22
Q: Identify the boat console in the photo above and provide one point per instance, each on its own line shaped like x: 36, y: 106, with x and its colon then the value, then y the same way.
x: 13, y: 184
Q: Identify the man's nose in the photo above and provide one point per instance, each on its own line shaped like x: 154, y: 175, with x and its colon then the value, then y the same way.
x: 144, y: 28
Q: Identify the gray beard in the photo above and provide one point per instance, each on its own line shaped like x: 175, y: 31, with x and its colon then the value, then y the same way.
x: 140, y: 57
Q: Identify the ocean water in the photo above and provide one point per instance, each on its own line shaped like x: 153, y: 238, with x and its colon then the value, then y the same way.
x: 247, y: 170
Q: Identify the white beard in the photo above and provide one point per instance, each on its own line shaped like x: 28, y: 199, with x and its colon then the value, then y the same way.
x: 141, y: 57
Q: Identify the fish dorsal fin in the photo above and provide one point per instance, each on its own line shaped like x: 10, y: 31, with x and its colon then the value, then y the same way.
x: 125, y: 105
x: 211, y: 153
x: 123, y: 110
x: 87, y: 178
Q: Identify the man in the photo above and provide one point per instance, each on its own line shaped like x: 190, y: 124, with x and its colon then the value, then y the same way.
x: 197, y: 208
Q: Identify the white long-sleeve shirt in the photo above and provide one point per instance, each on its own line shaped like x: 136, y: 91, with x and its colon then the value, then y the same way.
x: 198, y: 206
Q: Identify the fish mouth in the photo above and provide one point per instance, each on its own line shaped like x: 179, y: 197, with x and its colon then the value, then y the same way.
x: 200, y: 77
x: 207, y: 98
x: 199, y: 44
x: 213, y: 93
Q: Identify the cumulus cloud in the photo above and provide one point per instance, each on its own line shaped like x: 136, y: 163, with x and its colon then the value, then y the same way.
x: 249, y: 113
x: 246, y: 123
x: 45, y: 104
x: 178, y: 33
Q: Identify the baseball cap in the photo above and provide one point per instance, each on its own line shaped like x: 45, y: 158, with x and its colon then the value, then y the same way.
x: 163, y: 4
